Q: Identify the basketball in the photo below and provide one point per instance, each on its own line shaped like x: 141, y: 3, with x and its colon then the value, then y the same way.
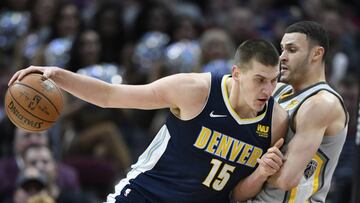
x: 34, y: 103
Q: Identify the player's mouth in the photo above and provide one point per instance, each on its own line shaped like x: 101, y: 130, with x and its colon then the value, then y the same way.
x: 263, y: 100
x: 284, y: 67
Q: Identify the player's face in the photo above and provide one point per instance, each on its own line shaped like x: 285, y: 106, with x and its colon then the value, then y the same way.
x: 258, y: 83
x: 294, y: 58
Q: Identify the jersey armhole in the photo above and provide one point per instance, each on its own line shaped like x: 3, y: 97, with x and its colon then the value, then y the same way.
x: 202, y: 109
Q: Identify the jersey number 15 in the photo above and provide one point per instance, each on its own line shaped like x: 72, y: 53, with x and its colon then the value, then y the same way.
x: 222, y: 178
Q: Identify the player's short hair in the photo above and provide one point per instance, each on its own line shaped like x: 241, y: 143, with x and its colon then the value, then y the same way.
x: 258, y: 49
x: 315, y: 32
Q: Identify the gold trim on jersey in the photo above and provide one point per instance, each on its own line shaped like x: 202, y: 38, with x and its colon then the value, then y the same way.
x: 313, y: 177
x: 286, y: 94
x: 232, y: 111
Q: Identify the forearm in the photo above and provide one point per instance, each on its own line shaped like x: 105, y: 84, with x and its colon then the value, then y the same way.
x: 287, y: 177
x: 248, y: 187
x: 86, y: 88
x: 300, y: 152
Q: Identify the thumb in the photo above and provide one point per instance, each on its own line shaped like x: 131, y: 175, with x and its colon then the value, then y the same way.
x: 279, y: 143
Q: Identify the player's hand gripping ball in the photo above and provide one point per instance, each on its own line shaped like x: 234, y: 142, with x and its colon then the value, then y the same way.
x: 34, y: 103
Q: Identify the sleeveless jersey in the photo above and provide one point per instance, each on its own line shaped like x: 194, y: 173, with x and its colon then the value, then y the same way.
x: 315, y: 183
x: 202, y: 159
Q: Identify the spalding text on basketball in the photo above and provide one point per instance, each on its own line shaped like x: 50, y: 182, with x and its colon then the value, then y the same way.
x: 22, y: 118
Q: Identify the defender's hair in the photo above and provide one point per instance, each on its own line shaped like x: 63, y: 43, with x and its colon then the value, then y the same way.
x: 261, y: 50
x: 315, y: 32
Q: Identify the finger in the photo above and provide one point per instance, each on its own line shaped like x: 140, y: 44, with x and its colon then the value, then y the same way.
x: 14, y: 78
x: 272, y: 164
x: 279, y: 143
x: 276, y: 151
x: 277, y: 159
x: 266, y: 167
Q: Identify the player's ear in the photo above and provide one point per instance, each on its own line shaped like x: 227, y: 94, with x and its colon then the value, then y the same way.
x: 318, y: 53
x: 235, y: 72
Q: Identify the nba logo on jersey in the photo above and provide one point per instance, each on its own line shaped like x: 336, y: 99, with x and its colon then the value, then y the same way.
x: 262, y: 130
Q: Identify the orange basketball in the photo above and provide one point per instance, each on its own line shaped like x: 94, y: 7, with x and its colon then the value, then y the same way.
x: 34, y: 103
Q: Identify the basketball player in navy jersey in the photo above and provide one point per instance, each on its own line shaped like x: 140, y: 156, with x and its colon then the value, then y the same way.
x: 318, y: 120
x: 218, y: 130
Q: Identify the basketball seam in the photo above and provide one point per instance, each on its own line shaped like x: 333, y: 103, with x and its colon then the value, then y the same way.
x: 27, y: 110
x: 41, y: 94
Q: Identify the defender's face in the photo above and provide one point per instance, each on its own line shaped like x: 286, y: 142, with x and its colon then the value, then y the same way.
x: 294, y: 58
x: 258, y: 83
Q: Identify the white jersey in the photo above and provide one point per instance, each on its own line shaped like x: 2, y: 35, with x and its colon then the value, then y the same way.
x: 315, y: 183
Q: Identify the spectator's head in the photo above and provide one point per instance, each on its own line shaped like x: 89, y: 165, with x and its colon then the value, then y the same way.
x: 24, y: 139
x: 42, y: 13
x: 216, y: 44
x: 41, y: 158
x: 108, y: 21
x: 241, y: 24
x: 67, y: 20
x: 153, y: 16
x: 30, y: 182
x: 85, y: 50
x: 185, y: 27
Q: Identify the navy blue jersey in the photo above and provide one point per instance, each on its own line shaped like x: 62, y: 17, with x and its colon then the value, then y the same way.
x: 201, y: 160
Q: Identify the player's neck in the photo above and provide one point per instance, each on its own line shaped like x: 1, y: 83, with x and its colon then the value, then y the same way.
x: 309, y: 79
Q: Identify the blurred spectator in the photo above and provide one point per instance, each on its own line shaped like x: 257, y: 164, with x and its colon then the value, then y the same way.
x: 109, y: 25
x: 154, y: 16
x: 31, y: 182
x: 38, y: 33
x: 216, y: 45
x: 241, y: 24
x: 342, y: 181
x: 65, y: 27
x: 216, y: 12
x: 341, y: 58
x: 311, y: 9
x: 10, y: 166
x: 41, y: 198
x: 148, y: 54
x: 103, y: 149
x: 41, y: 158
x: 185, y: 27
x: 182, y: 57
x: 14, y: 21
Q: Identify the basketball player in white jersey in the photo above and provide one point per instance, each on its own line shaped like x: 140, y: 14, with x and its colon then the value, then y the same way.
x: 318, y: 121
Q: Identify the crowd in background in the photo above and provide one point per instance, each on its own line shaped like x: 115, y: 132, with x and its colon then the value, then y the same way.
x: 89, y: 149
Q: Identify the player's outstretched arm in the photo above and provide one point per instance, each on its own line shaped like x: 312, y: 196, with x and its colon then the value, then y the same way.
x: 186, y: 92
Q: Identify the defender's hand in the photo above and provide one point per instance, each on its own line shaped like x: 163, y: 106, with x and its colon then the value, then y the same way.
x: 272, y: 160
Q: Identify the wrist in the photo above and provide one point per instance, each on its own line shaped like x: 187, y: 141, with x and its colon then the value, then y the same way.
x: 260, y: 175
